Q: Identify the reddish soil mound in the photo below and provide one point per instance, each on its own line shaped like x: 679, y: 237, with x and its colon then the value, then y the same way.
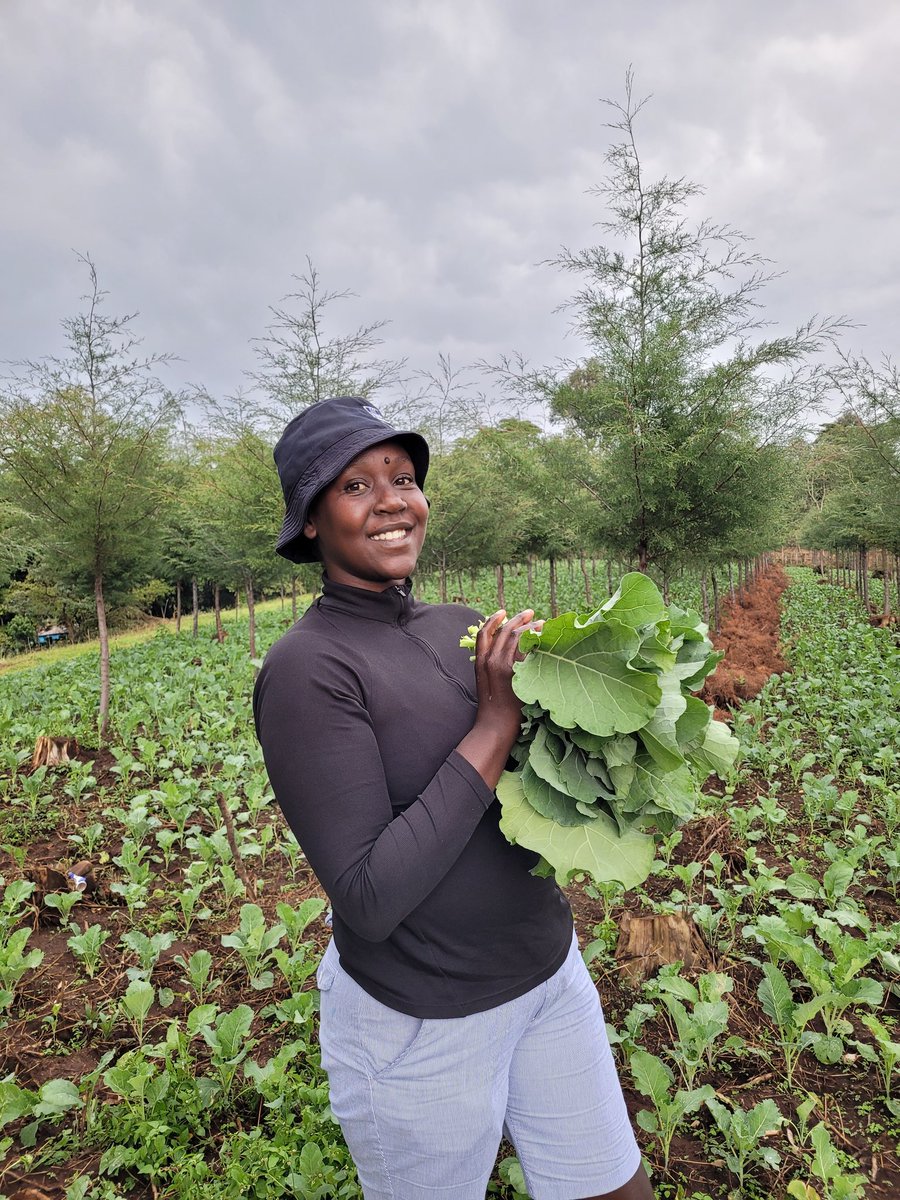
x: 749, y: 637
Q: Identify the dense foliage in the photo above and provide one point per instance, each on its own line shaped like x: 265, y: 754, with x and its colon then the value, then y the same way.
x: 614, y: 742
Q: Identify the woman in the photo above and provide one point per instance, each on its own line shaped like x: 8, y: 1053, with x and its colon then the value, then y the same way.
x: 455, y: 1006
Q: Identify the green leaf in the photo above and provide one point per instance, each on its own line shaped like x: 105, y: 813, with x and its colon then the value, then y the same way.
x: 721, y: 1115
x: 864, y: 991
x: 827, y: 1048
x: 775, y: 996
x: 799, y: 1190
x: 595, y: 848
x: 672, y: 791
x: 548, y: 800
x: 511, y: 1172
x: 687, y: 624
x: 825, y: 1161
x: 656, y: 649
x: 838, y: 878
x: 15, y: 1102
x: 200, y: 1016
x: 647, y: 1121
x: 636, y: 602
x: 583, y: 678
x: 716, y: 752
x: 563, y: 767
x: 652, y: 1077
x: 57, y: 1096
x: 230, y: 1032
x: 590, y: 742
x: 802, y: 886
x: 619, y: 751
x: 763, y: 1118
x: 691, y: 726
x: 138, y: 998
x: 688, y: 1102
x: 659, y: 734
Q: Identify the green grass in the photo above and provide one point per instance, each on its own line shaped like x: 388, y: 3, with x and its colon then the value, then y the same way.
x: 121, y: 641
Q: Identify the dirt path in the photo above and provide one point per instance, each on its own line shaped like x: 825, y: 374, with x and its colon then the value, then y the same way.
x: 749, y: 635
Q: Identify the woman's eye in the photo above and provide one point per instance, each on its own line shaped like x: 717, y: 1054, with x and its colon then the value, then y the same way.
x: 405, y: 479
x: 355, y: 486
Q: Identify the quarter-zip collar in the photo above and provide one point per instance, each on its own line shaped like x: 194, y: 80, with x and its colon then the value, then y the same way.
x: 392, y: 605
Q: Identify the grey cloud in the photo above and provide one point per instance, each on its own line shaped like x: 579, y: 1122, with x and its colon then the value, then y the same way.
x: 429, y: 156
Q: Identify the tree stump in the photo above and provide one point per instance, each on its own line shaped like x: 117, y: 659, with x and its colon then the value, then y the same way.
x: 47, y: 880
x: 647, y: 943
x: 51, y: 751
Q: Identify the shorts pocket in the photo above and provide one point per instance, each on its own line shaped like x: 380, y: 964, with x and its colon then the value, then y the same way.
x: 386, y: 1037
x: 326, y: 971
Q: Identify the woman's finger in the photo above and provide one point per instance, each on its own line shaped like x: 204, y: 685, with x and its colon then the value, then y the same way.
x: 489, y: 628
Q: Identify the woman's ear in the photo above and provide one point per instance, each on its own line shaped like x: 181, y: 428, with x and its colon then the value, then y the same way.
x: 309, y: 529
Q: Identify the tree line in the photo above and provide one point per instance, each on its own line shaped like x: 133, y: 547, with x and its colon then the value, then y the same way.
x: 672, y: 441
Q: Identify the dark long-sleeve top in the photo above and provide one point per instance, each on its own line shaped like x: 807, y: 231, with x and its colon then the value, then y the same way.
x: 359, y: 708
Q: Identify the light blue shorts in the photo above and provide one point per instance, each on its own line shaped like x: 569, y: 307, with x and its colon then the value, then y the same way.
x: 423, y: 1103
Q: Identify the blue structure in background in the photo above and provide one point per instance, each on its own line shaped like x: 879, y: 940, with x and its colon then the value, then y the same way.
x: 56, y: 633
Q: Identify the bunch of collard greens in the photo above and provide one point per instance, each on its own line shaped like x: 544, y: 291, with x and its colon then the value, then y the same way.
x: 613, y: 743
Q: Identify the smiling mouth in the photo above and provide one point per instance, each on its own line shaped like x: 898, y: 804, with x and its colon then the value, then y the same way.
x: 393, y: 535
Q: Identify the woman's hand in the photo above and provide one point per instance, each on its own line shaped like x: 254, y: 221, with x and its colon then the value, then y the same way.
x: 499, y: 717
x: 496, y: 652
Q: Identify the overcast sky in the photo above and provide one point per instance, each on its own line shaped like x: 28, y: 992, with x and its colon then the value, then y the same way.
x: 428, y: 155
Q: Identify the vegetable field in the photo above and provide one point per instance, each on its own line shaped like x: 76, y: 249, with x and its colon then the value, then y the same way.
x: 159, y: 1008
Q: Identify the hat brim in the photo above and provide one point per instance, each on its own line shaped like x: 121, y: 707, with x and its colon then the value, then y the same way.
x: 293, y: 544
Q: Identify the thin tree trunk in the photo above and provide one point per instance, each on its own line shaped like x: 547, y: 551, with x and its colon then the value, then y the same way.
x: 294, y: 597
x: 715, y: 592
x: 282, y: 595
x: 587, y: 583
x: 529, y: 575
x: 237, y: 603
x: 609, y: 584
x: 886, y: 582
x: 220, y: 632
x: 443, y: 578
x: 665, y: 584
x: 704, y: 596
x: 731, y: 580
x: 251, y: 612
x: 864, y: 568
x: 501, y: 591
x: 104, y: 656
x: 554, y: 606
x: 178, y: 607
x: 462, y: 586
x: 195, y: 606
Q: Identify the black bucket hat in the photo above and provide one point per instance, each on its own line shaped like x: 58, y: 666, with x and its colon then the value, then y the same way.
x: 314, y: 449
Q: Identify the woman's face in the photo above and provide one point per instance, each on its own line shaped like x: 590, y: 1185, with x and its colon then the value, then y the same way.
x: 371, y: 520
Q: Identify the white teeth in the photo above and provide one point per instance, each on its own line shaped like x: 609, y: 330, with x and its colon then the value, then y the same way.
x: 393, y: 536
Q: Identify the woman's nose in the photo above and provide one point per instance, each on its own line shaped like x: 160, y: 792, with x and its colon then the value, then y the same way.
x: 390, y: 500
